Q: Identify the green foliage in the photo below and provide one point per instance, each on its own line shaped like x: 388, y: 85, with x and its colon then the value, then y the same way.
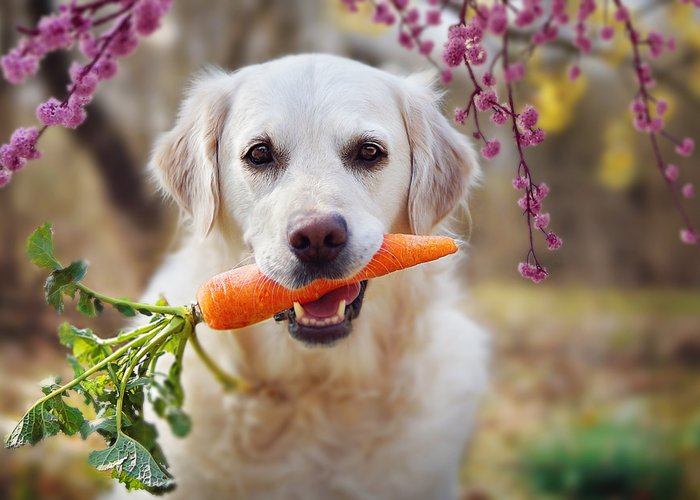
x: 604, y: 461
x: 40, y: 248
x: 132, y: 465
x: 113, y: 376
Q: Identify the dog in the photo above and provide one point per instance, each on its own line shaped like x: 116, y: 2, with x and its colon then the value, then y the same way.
x: 301, y: 165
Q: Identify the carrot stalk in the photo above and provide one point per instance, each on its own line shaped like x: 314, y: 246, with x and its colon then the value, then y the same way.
x: 244, y: 296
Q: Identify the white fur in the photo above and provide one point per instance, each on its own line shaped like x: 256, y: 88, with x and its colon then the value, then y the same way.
x: 384, y: 413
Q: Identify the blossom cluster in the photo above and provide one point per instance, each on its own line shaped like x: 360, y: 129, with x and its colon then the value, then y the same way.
x: 466, y: 47
x: 74, y: 24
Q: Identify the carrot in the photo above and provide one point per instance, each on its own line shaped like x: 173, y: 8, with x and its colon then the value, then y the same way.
x: 244, y: 296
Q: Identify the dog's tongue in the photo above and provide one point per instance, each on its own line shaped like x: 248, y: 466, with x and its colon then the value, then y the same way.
x: 327, y: 305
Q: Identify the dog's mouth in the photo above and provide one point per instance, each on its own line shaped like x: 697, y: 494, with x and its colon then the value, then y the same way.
x: 327, y: 319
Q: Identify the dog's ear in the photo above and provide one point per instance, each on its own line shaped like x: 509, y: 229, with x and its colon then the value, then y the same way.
x: 185, y: 160
x: 443, y: 161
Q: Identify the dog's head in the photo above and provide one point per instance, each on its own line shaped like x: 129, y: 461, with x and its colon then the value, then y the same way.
x: 314, y: 158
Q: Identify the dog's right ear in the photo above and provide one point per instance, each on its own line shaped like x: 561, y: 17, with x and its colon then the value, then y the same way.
x: 185, y: 160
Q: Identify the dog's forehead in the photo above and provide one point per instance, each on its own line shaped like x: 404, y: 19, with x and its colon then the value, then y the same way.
x: 315, y: 95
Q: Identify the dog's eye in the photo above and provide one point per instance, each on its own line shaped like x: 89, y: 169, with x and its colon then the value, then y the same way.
x: 259, y: 154
x: 369, y: 152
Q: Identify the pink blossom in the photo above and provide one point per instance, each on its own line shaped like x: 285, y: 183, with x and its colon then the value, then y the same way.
x: 524, y: 139
x: 454, y: 52
x: 491, y: 149
x: 607, y: 33
x: 432, y: 17
x: 74, y: 114
x: 85, y: 83
x: 689, y: 236
x: 23, y: 142
x: 656, y: 125
x: 486, y: 100
x: 656, y: 43
x: 105, y: 68
x: 383, y: 15
x: 671, y: 172
x: 88, y: 45
x: 498, y: 20
x: 499, y: 117
x: 524, y: 18
x: 640, y: 123
x: 520, y: 183
x: 548, y: 33
x: 488, y: 80
x: 16, y: 67
x: 147, y: 14
x: 644, y: 75
x: 541, y: 221
x: 558, y: 7
x: 460, y: 116
x: 685, y: 148
x: 9, y: 160
x: 54, y: 32
x: 687, y: 190
x: 586, y: 8
x: 426, y: 47
x: 537, y: 136
x: 540, y: 191
x: 528, y: 117
x: 401, y: 4
x: 124, y: 41
x: 671, y: 43
x: 661, y: 106
x: 514, y: 72
x: 536, y: 274
x: 5, y: 176
x: 405, y: 40
x: 622, y: 14
x: 553, y: 241
x: 413, y: 16
x: 583, y: 43
x: 476, y: 55
x: 638, y: 107
x: 473, y: 31
x: 574, y: 72
x: 50, y: 113
x: 529, y: 205
x: 446, y: 76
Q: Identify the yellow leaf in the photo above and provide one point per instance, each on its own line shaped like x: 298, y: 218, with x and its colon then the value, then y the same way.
x: 555, y: 97
x: 359, y: 22
x: 617, y: 167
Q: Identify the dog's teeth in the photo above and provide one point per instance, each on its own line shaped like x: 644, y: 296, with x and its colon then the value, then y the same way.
x: 312, y: 321
x: 341, y: 308
x: 337, y: 319
x: 298, y: 310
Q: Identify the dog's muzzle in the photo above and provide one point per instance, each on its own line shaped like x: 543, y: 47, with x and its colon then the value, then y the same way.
x: 327, y: 319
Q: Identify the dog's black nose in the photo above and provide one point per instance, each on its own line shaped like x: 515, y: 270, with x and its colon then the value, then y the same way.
x: 317, y: 239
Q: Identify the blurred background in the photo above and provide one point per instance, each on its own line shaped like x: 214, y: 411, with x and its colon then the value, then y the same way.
x: 596, y: 371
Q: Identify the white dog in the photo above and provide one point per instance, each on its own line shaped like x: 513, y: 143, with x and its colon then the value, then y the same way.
x: 303, y: 163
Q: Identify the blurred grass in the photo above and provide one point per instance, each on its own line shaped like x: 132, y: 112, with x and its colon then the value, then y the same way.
x: 571, y: 364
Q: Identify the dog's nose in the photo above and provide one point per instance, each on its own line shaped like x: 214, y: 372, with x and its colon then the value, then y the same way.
x: 317, y: 239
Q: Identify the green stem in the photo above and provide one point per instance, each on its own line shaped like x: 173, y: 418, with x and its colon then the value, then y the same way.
x: 180, y: 312
x: 135, y: 333
x: 229, y: 382
x: 171, y: 328
x: 97, y: 368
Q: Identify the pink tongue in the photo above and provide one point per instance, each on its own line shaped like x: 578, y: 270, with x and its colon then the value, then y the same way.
x: 327, y: 305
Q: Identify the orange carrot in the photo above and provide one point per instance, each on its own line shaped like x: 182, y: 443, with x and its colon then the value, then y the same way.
x: 244, y: 296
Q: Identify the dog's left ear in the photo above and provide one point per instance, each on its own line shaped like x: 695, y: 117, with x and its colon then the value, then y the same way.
x: 185, y: 160
x: 443, y: 161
